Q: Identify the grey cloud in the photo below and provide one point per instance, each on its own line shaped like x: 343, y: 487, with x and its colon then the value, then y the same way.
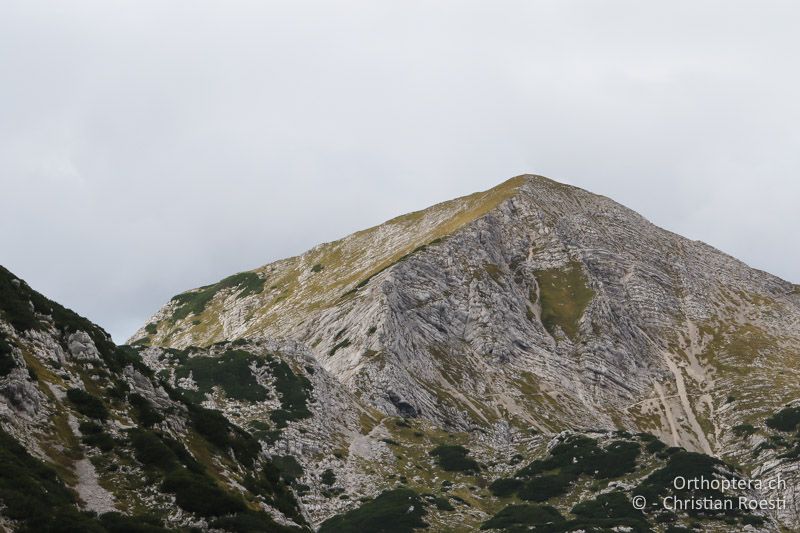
x: 149, y: 147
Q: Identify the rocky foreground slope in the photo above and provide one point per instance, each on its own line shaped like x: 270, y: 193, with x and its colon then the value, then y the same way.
x: 527, y: 358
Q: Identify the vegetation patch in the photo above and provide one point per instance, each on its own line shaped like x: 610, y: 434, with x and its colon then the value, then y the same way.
x: 526, y: 518
x: 503, y: 487
x: 230, y: 371
x: 197, y: 493
x: 689, y: 465
x: 252, y: 522
x: 170, y: 457
x: 21, y: 306
x: 33, y: 494
x: 743, y: 430
x: 336, y: 347
x: 293, y: 390
x: 495, y: 272
x: 608, y: 512
x: 120, y: 523
x: 395, y: 511
x: 219, y: 431
x: 7, y: 361
x: 194, y: 490
x: 289, y: 468
x: 95, y: 436
x: 454, y: 458
x: 787, y: 419
x: 87, y: 404
x: 151, y: 451
x: 195, y: 302
x: 145, y: 414
x: 563, y: 295
x: 273, y: 484
x: 577, y: 455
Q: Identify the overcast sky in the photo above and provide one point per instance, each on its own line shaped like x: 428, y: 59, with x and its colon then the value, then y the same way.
x: 150, y: 147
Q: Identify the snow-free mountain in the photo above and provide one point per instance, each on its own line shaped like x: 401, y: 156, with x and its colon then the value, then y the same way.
x: 526, y: 358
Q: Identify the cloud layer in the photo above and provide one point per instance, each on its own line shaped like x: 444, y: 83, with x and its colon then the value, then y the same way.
x: 150, y: 147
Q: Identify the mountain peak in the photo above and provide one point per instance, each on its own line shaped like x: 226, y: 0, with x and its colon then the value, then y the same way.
x: 501, y: 326
x: 315, y: 278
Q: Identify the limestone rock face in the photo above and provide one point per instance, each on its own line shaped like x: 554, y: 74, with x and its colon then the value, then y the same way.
x: 82, y: 348
x: 534, y: 304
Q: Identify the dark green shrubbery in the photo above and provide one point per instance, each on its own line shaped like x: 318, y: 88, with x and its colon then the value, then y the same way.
x: 118, y: 391
x: 608, y: 512
x: 328, y: 477
x: 7, y: 362
x: 120, y: 523
x: 195, y: 302
x: 251, y: 522
x: 211, y: 424
x: 689, y: 465
x: 743, y: 430
x: 453, y: 458
x: 199, y: 494
x: 655, y: 446
x: 443, y: 504
x: 617, y: 459
x: 273, y: 484
x: 219, y: 431
x: 229, y: 371
x: 526, y: 518
x: 294, y: 391
x: 612, y: 509
x: 14, y: 302
x: 787, y: 419
x: 289, y: 468
x: 125, y: 355
x: 21, y: 305
x: 394, y: 511
x: 87, y: 404
x: 575, y: 456
x: 505, y: 486
x: 143, y: 410
x: 151, y: 451
x: 195, y: 491
x: 34, y: 496
x: 543, y: 487
x: 94, y: 435
x: 336, y: 347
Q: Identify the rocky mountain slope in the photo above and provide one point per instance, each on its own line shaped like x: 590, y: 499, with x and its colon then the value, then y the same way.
x: 93, y: 441
x: 535, y: 304
x: 528, y: 358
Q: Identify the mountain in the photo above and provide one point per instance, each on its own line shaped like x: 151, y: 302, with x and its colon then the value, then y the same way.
x: 526, y: 358
x: 535, y: 304
x: 92, y: 441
